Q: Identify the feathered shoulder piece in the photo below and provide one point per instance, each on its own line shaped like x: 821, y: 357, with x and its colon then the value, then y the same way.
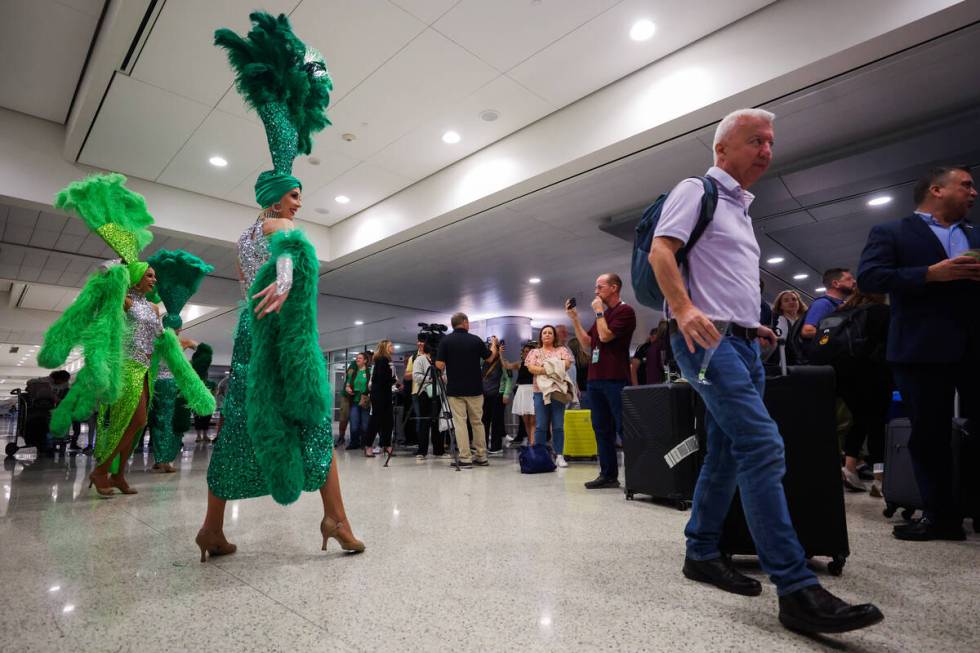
x: 273, y: 66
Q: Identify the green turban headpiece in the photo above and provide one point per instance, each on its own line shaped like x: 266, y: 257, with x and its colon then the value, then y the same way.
x: 271, y: 186
x: 179, y: 275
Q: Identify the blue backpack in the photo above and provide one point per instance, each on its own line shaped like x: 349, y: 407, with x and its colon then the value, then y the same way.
x: 535, y: 459
x: 645, y: 285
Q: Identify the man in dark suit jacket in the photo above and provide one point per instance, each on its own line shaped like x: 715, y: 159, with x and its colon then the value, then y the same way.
x: 925, y: 263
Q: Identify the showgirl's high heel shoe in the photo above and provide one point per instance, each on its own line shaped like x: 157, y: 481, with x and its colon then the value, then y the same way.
x: 213, y: 544
x: 121, y: 484
x: 330, y: 528
x: 101, y: 482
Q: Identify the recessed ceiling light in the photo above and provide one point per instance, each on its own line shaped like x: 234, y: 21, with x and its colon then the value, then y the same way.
x: 642, y: 30
x: 820, y: 289
x: 489, y: 115
x: 19, y: 364
x: 314, y: 161
x: 774, y: 260
x: 451, y: 137
x: 342, y: 199
x: 881, y: 200
x: 358, y: 322
x: 218, y: 162
x: 800, y: 276
x: 322, y: 211
x: 398, y: 346
x: 348, y: 137
x: 534, y: 280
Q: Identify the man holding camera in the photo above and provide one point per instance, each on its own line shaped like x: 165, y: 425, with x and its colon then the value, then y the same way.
x: 460, y: 355
x: 609, y: 369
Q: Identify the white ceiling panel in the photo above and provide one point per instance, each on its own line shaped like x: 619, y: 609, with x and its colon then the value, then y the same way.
x: 240, y: 142
x: 331, y: 165
x: 506, y: 32
x: 601, y: 51
x: 44, y: 297
x: 428, y: 74
x: 244, y: 192
x: 428, y: 11
x: 40, y: 69
x: 20, y: 217
x: 140, y: 128
x: 355, y: 36
x: 364, y: 185
x: 196, y: 69
x: 422, y: 152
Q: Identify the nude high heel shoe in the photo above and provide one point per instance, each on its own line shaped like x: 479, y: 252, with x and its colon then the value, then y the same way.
x: 121, y: 485
x: 213, y: 544
x: 101, y: 483
x: 330, y: 528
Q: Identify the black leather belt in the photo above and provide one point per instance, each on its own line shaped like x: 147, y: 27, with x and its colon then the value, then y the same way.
x: 745, y: 333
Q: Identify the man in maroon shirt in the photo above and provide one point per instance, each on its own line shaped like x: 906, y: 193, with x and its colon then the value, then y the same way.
x: 609, y: 370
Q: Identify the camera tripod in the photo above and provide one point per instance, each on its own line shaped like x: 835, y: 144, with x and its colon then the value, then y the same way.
x: 434, y: 376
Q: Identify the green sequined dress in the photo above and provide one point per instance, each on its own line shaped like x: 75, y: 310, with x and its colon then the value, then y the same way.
x: 234, y: 472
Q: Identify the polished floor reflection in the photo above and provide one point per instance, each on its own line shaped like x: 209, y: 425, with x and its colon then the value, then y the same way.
x: 478, y: 560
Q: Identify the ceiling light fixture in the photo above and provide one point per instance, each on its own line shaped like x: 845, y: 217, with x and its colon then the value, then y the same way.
x: 451, y: 137
x: 800, y: 276
x: 820, y: 289
x: 489, y: 115
x: 342, y: 199
x: 642, y: 30
x: 218, y: 161
x: 322, y: 211
x: 775, y: 260
x: 534, y: 280
x: 881, y: 200
x: 358, y: 322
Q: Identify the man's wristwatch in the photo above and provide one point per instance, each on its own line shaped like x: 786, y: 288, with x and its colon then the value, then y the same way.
x: 599, y: 314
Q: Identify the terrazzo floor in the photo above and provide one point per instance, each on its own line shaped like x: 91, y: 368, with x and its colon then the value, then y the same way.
x: 485, y: 559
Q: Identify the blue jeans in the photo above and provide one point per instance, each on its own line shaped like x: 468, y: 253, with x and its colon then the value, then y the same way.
x: 744, y: 450
x: 359, y: 419
x: 606, y: 399
x: 549, y: 416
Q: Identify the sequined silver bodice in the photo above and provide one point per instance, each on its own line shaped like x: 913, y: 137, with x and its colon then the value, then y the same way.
x: 145, y: 326
x: 163, y: 372
x: 253, y: 252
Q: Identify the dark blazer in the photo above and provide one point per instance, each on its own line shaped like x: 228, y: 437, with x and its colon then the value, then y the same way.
x: 931, y: 322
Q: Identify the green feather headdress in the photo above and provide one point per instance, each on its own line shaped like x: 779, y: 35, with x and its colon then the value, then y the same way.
x: 289, y: 87
x: 286, y: 83
x: 179, y: 275
x: 111, y: 210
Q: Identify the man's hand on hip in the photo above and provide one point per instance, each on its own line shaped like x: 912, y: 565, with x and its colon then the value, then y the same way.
x: 767, y: 337
x: 697, y: 328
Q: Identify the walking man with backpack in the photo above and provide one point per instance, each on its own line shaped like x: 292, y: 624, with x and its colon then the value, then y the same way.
x: 720, y: 285
x: 839, y: 284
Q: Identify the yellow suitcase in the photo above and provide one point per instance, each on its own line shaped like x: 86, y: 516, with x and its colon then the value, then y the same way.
x: 579, y: 436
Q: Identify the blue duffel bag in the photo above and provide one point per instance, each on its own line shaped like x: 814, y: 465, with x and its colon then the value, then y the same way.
x: 535, y: 459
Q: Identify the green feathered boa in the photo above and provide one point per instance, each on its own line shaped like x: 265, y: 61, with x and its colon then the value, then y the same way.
x: 286, y: 354
x: 197, y: 395
x: 96, y: 322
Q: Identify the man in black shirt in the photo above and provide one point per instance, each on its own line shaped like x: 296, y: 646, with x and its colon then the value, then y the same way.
x: 460, y: 355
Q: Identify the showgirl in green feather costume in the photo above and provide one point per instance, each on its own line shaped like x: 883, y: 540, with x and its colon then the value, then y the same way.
x: 276, y: 435
x: 179, y: 275
x: 118, y: 329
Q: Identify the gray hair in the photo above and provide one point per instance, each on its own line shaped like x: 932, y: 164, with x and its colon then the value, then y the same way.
x: 729, y: 122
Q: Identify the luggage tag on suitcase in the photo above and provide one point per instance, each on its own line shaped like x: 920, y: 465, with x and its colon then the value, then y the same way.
x: 682, y: 451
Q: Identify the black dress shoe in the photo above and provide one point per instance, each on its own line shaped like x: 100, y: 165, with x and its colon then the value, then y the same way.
x: 815, y: 610
x: 601, y: 482
x: 720, y: 573
x: 925, y: 530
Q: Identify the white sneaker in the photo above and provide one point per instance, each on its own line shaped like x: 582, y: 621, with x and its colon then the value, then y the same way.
x: 376, y: 450
x: 561, y: 462
x: 852, y: 481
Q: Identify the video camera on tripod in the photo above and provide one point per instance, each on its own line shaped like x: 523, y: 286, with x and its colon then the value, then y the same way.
x: 431, y: 335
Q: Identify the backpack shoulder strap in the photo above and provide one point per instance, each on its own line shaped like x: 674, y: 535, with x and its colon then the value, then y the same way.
x: 708, y: 203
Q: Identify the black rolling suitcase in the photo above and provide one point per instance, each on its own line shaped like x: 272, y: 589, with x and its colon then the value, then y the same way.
x: 663, y: 441
x: 802, y: 404
x: 899, y: 485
